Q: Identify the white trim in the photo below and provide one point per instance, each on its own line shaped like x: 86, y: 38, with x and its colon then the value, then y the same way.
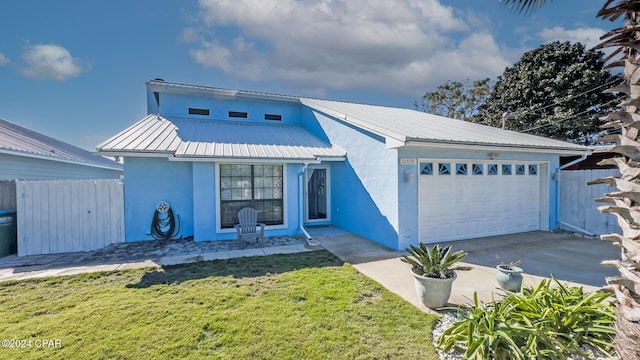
x: 175, y: 88
x: 327, y: 169
x: 244, y: 160
x: 132, y: 153
x: 496, y: 148
x: 284, y: 224
x: 67, y: 161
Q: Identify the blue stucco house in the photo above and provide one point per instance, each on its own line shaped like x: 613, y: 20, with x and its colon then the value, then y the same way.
x: 395, y: 176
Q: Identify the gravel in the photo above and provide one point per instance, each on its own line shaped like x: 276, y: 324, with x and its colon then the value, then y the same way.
x: 448, y: 318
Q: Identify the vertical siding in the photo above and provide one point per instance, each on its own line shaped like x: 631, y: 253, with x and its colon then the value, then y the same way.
x: 577, y: 201
x: 68, y: 215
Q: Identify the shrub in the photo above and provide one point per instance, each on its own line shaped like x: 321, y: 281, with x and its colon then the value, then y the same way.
x: 550, y: 322
x: 434, y: 262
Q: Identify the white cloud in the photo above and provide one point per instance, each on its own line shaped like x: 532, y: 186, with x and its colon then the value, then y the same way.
x: 4, y: 60
x: 50, y: 61
x: 401, y: 45
x: 590, y: 37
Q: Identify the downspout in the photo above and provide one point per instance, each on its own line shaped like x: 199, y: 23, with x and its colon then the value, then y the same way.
x: 558, y: 177
x: 310, y: 241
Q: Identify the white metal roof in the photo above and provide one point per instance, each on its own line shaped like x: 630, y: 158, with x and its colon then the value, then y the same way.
x: 192, y: 139
x: 20, y: 141
x: 405, y: 127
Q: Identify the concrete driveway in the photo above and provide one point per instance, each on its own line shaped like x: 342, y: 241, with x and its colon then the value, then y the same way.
x: 561, y: 255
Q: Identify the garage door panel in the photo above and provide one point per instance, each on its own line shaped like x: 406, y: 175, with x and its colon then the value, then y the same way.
x: 459, y: 206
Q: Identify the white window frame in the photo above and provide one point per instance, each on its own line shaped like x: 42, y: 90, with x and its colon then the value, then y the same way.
x: 284, y: 224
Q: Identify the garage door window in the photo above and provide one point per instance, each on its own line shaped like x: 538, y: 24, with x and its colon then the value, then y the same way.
x: 533, y: 169
x: 444, y: 169
x: 477, y: 169
x: 461, y: 169
x: 519, y: 169
x: 506, y: 169
x: 426, y: 168
x: 493, y: 169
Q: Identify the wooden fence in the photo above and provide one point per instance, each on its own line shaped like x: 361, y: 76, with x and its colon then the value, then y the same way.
x: 578, y: 209
x: 68, y: 215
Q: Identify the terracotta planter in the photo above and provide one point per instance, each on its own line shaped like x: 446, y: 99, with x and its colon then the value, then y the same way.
x: 509, y: 279
x: 433, y: 292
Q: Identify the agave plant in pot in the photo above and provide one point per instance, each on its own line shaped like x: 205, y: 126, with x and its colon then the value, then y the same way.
x: 434, y: 270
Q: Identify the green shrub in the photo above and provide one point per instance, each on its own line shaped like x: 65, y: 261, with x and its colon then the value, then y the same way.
x: 550, y: 322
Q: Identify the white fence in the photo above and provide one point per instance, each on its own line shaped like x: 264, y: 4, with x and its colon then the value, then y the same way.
x: 578, y: 209
x: 68, y: 215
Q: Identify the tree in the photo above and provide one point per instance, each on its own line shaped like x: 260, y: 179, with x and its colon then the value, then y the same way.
x: 455, y: 99
x: 626, y: 202
x: 554, y: 91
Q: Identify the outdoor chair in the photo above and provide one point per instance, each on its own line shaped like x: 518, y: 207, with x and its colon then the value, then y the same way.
x: 248, y: 226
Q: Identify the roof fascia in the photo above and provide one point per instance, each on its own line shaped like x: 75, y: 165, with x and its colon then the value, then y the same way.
x: 175, y: 88
x: 131, y: 153
x: 44, y: 157
x: 244, y: 160
x: 497, y: 148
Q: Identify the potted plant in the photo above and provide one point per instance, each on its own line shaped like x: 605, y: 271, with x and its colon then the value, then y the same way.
x: 509, y: 275
x: 434, y: 271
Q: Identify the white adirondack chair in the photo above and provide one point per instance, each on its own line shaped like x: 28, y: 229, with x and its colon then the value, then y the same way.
x: 248, y: 226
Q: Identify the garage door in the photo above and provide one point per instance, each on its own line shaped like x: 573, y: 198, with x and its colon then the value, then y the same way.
x: 468, y: 199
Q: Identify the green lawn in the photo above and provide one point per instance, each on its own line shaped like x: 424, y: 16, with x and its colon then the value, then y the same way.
x: 300, y: 306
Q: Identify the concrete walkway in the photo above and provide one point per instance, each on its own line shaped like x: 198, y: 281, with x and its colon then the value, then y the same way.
x: 143, y: 254
x: 561, y: 255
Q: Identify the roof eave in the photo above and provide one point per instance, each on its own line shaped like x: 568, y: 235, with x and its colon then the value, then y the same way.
x: 232, y: 159
x: 176, y: 88
x: 57, y: 159
x: 498, y: 148
x: 130, y: 153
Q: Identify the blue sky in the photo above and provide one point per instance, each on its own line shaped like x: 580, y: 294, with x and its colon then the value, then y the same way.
x: 75, y: 69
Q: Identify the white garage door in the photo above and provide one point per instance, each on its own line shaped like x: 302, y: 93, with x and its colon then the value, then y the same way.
x: 461, y: 199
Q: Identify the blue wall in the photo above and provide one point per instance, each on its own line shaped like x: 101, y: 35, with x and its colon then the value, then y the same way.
x: 178, y: 105
x: 364, y: 188
x: 190, y: 189
x: 149, y: 180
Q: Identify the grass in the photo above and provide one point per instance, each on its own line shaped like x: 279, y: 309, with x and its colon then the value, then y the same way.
x: 299, y: 306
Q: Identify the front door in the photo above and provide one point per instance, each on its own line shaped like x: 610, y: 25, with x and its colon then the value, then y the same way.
x: 317, y: 191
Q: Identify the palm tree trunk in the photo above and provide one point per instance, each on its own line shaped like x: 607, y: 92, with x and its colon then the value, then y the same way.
x: 625, y: 204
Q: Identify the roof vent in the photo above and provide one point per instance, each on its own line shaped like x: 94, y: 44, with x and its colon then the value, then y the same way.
x: 199, y: 111
x: 238, y: 114
x: 158, y: 79
x: 273, y: 117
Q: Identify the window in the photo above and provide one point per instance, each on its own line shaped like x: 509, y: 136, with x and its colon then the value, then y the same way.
x: 198, y: 111
x: 477, y: 169
x: 256, y: 186
x: 493, y: 169
x: 426, y: 168
x: 533, y: 169
x: 461, y: 169
x: 444, y: 169
x: 506, y: 169
x: 238, y: 114
x: 519, y: 169
x: 273, y: 117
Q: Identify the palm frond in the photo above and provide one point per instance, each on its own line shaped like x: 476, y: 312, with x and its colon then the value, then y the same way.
x: 523, y: 6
